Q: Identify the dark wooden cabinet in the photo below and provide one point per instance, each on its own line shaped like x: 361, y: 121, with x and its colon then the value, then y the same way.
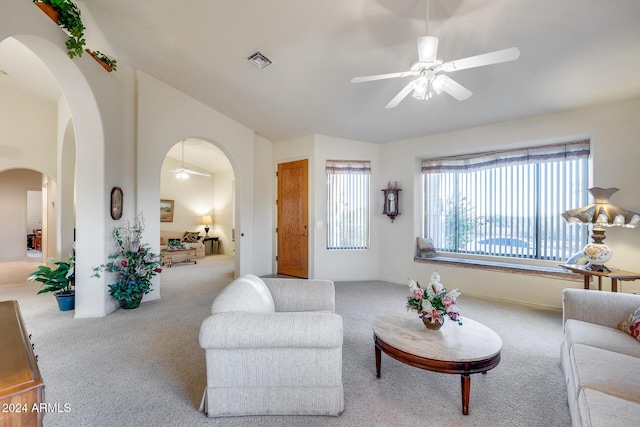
x: 21, y: 386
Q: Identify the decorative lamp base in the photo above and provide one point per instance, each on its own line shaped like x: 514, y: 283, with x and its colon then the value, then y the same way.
x: 597, y: 254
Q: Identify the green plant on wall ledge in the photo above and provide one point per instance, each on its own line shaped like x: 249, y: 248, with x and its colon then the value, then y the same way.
x: 69, y: 19
x: 108, y: 63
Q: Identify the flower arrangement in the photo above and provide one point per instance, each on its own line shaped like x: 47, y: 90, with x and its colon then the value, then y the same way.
x: 134, y: 264
x: 434, y: 302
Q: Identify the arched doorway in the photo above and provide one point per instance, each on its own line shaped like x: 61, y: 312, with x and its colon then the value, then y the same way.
x: 54, y: 152
x: 198, y: 180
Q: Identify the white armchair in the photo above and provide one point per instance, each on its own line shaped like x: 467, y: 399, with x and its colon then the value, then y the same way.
x: 273, y: 347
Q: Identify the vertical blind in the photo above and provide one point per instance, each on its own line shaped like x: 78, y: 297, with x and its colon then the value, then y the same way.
x: 508, y: 203
x: 348, y: 204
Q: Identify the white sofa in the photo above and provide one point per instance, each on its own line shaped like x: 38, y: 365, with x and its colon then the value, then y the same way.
x: 601, y: 363
x: 273, y: 347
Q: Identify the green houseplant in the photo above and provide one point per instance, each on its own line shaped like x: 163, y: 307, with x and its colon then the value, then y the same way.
x: 133, y: 264
x: 69, y: 19
x: 106, y: 62
x: 60, y: 281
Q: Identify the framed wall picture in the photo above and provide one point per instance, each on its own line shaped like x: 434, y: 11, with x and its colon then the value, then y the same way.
x: 116, y: 203
x: 166, y: 210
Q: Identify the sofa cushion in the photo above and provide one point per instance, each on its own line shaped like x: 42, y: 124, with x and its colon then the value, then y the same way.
x: 247, y: 293
x: 426, y: 248
x: 579, y: 332
x: 631, y: 324
x: 606, y: 371
x: 190, y: 237
x: 600, y: 409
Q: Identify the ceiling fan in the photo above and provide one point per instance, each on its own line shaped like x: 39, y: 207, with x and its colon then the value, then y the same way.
x: 427, y: 69
x: 183, y: 172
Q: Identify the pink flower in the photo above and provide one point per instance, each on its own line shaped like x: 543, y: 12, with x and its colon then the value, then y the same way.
x: 158, y: 270
x: 417, y: 293
x: 448, y: 301
x: 435, y: 315
x: 124, y: 263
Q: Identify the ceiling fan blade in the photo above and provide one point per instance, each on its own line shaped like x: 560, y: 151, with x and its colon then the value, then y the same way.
x: 496, y: 57
x: 381, y: 76
x: 189, y: 171
x: 427, y: 48
x: 454, y: 88
x: 400, y: 96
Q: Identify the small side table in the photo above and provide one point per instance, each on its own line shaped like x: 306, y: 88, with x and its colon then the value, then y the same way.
x: 614, y: 275
x: 211, y: 245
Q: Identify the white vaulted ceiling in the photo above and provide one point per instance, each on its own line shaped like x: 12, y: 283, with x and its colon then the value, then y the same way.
x: 574, y: 54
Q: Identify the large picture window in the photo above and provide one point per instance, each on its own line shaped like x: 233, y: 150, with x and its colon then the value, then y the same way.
x: 348, y: 204
x: 508, y: 203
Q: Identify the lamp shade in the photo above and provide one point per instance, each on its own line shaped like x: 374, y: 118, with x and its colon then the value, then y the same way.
x: 601, y: 214
x: 206, y: 220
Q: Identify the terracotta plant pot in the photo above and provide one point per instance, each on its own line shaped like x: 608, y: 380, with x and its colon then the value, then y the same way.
x: 104, y: 64
x: 49, y: 11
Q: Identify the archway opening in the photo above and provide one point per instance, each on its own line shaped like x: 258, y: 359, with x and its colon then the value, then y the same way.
x: 197, y: 190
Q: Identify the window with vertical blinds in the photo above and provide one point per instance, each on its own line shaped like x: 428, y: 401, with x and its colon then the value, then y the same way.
x: 348, y: 204
x: 508, y: 203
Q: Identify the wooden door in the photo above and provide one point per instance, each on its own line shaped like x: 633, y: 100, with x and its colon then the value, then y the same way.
x: 293, y: 217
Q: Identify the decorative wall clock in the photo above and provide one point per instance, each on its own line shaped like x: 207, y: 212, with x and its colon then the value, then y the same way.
x: 116, y: 203
x: 391, y: 199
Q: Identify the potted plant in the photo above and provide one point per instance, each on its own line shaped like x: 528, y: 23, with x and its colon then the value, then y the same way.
x: 433, y: 303
x: 133, y: 263
x: 68, y: 18
x: 106, y: 62
x: 61, y: 281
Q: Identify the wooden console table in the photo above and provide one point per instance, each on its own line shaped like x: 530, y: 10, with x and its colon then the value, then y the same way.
x: 21, y: 386
x: 614, y: 275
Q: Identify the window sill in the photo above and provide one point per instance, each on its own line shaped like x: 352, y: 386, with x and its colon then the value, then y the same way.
x: 529, y: 270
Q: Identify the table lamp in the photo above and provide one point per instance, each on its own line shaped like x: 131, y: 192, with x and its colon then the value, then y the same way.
x: 207, y: 221
x: 601, y: 214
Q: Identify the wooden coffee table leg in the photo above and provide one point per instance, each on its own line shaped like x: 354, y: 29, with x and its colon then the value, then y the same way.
x: 465, y: 382
x: 378, y: 360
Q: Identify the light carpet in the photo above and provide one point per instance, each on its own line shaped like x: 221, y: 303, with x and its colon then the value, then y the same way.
x: 144, y: 367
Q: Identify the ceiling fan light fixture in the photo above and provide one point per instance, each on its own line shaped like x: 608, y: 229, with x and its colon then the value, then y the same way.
x: 420, y: 88
x: 439, y: 84
x: 182, y: 174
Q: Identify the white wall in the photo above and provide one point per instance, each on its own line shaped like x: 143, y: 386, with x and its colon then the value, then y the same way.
x: 223, y: 212
x: 347, y: 264
x: 13, y: 215
x: 165, y: 116
x: 27, y: 132
x: 264, y: 216
x: 613, y: 130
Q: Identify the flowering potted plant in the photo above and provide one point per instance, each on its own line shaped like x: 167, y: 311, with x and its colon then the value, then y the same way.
x: 134, y: 265
x: 433, y: 303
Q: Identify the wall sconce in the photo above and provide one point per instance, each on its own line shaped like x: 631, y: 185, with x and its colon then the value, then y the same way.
x: 391, y: 200
x: 601, y: 214
x: 207, y: 221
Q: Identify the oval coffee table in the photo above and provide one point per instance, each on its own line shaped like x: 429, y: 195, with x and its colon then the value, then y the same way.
x: 464, y: 350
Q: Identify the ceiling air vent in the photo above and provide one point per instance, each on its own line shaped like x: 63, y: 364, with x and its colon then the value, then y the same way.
x: 259, y: 60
